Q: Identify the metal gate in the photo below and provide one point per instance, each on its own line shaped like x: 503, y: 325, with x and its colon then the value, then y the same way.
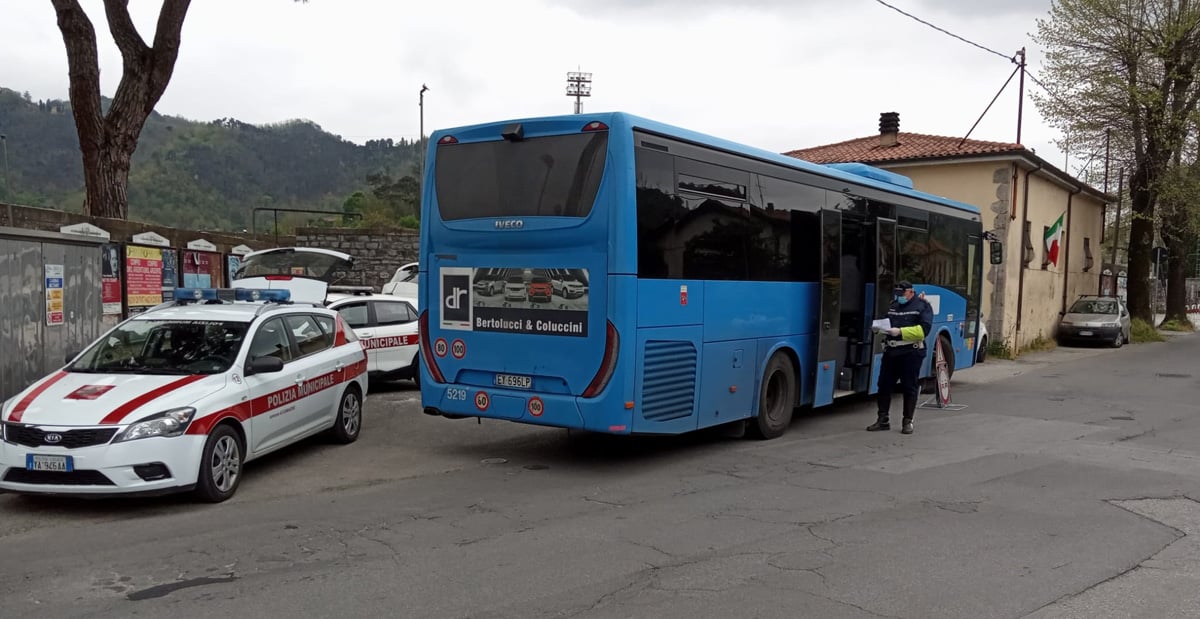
x: 45, y: 314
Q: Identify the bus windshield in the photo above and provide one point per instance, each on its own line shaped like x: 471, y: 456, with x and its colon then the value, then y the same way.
x: 554, y: 176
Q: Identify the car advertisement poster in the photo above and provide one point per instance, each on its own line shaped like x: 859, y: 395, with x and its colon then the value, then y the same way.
x: 515, y: 300
x: 143, y: 275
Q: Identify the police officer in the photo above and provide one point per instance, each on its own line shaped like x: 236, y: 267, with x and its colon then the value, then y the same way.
x: 903, y: 353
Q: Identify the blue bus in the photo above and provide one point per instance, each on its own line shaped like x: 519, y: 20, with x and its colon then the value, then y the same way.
x: 610, y: 273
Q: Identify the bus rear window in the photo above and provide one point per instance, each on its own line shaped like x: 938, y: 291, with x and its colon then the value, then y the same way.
x: 553, y: 176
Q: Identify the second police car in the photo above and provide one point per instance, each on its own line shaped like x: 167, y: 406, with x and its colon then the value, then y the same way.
x: 387, y: 326
x: 181, y: 396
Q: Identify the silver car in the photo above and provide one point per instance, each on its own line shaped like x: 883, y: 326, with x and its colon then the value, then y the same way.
x: 1095, y: 318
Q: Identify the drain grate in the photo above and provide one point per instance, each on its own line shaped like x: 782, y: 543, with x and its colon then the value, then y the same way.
x: 1168, y: 375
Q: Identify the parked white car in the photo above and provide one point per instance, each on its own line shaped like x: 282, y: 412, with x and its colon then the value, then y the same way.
x: 181, y: 396
x: 404, y: 281
x: 388, y: 327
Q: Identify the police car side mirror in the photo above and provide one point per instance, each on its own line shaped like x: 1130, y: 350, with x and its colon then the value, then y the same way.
x: 264, y: 365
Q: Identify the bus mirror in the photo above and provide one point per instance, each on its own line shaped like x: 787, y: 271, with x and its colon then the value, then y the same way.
x: 997, y: 252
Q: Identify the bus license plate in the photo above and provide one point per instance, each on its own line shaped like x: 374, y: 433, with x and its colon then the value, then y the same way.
x: 513, y: 381
x: 61, y: 464
x: 1085, y: 333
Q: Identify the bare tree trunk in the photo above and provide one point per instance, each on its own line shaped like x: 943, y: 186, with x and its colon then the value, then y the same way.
x: 1177, y: 255
x: 1141, y: 240
x: 107, y: 142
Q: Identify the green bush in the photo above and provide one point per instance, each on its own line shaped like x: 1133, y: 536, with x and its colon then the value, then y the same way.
x: 1142, y: 332
x: 998, y: 349
x: 1185, y: 326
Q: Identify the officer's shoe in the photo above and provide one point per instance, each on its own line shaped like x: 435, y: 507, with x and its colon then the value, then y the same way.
x: 879, y: 426
x: 906, y: 428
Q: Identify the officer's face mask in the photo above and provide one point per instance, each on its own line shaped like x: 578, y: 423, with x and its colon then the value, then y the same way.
x: 900, y: 298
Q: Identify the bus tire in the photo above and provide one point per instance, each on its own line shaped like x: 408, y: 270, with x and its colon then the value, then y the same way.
x: 776, y: 398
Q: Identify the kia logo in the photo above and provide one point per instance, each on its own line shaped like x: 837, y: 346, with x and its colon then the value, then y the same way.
x: 52, y: 438
x: 509, y: 224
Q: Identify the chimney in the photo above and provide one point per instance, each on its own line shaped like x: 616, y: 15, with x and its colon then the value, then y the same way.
x: 889, y: 129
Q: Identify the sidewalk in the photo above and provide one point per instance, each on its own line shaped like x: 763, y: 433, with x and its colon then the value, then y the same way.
x: 998, y: 369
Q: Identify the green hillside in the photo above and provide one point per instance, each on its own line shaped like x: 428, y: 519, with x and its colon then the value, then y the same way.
x: 201, y: 175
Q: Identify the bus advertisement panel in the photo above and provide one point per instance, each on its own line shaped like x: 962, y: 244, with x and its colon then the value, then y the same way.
x: 615, y: 274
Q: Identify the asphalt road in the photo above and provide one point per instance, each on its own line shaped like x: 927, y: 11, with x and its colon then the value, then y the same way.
x: 1062, y: 491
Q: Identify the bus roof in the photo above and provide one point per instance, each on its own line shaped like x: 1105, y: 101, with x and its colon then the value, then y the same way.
x: 855, y: 173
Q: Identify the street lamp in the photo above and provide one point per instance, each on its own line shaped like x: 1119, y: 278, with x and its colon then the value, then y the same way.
x: 422, y: 106
x: 8, y: 193
x: 579, y: 85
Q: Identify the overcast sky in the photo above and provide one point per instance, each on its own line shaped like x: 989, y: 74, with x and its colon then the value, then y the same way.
x: 778, y: 74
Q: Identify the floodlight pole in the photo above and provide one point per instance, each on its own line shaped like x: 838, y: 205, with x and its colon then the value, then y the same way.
x: 579, y: 85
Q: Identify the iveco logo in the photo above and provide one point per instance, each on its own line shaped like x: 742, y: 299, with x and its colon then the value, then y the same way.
x: 509, y: 224
x: 52, y: 438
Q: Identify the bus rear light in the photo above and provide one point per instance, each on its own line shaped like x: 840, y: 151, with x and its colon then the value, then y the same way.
x: 595, y: 125
x: 448, y: 139
x: 608, y: 365
x: 279, y: 278
x: 427, y: 350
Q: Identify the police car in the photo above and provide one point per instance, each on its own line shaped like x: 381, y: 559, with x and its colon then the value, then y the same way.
x: 387, y: 326
x: 181, y: 396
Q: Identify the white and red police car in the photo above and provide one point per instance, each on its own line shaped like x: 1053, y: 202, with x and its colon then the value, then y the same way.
x: 181, y: 396
x: 387, y: 325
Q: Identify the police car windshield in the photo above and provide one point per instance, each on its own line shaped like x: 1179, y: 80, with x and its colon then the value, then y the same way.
x: 165, y: 347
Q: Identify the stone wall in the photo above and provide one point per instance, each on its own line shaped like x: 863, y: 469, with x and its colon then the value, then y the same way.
x: 377, y: 252
x: 34, y: 218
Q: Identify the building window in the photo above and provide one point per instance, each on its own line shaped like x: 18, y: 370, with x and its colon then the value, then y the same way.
x: 1087, y: 254
x: 1045, y: 250
x: 1027, y: 253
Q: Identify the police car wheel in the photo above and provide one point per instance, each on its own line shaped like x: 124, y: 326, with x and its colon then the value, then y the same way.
x: 349, y: 418
x: 776, y: 399
x: 220, y: 465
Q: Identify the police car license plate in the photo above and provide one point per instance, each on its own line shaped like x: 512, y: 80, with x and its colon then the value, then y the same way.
x: 513, y: 381
x: 38, y: 462
x: 1085, y: 333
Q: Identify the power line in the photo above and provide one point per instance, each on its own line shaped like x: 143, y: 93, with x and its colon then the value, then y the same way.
x: 944, y: 31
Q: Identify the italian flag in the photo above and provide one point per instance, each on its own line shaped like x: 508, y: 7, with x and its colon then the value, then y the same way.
x: 1054, y: 239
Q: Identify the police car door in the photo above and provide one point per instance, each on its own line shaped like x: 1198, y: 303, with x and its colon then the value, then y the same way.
x: 357, y: 318
x: 395, y: 330
x: 273, y: 395
x: 318, y: 368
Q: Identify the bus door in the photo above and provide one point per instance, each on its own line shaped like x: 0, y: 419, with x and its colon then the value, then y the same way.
x: 857, y: 303
x: 830, y: 351
x: 885, y: 281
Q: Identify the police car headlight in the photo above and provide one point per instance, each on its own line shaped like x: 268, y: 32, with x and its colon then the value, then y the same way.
x: 167, y: 424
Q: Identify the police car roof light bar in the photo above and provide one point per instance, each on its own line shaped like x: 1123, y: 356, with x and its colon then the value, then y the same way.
x: 229, y: 295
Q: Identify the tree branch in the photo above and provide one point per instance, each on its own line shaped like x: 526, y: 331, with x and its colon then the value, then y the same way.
x: 83, y: 68
x: 167, y: 37
x: 124, y: 33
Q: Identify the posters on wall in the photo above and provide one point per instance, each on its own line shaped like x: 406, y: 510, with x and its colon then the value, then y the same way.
x: 199, y: 269
x: 170, y: 271
x: 54, y: 294
x: 144, y: 276
x: 232, y: 264
x: 110, y: 278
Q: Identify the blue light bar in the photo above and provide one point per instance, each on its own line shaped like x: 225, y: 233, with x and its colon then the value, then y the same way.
x: 259, y: 294
x: 196, y: 294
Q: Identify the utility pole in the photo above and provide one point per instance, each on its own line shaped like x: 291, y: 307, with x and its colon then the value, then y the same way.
x: 1117, y: 233
x: 1021, y: 93
x: 421, y: 104
x: 579, y: 85
x: 8, y: 192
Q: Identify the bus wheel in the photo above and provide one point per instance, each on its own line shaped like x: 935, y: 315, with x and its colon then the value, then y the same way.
x: 776, y: 400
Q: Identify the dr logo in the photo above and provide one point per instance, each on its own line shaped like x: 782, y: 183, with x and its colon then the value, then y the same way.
x: 456, y: 298
x: 482, y: 401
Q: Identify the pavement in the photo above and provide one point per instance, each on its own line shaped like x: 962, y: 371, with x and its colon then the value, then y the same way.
x: 1068, y: 487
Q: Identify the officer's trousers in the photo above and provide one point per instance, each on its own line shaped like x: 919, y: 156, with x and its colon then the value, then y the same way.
x: 904, y: 367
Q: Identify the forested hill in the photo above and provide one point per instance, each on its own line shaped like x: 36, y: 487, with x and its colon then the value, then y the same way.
x: 197, y: 175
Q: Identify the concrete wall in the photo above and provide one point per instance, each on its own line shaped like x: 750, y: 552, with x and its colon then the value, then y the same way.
x: 377, y: 252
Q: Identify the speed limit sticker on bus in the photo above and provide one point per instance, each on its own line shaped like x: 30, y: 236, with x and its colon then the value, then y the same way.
x: 482, y: 401
x: 440, y: 347
x: 536, y: 406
